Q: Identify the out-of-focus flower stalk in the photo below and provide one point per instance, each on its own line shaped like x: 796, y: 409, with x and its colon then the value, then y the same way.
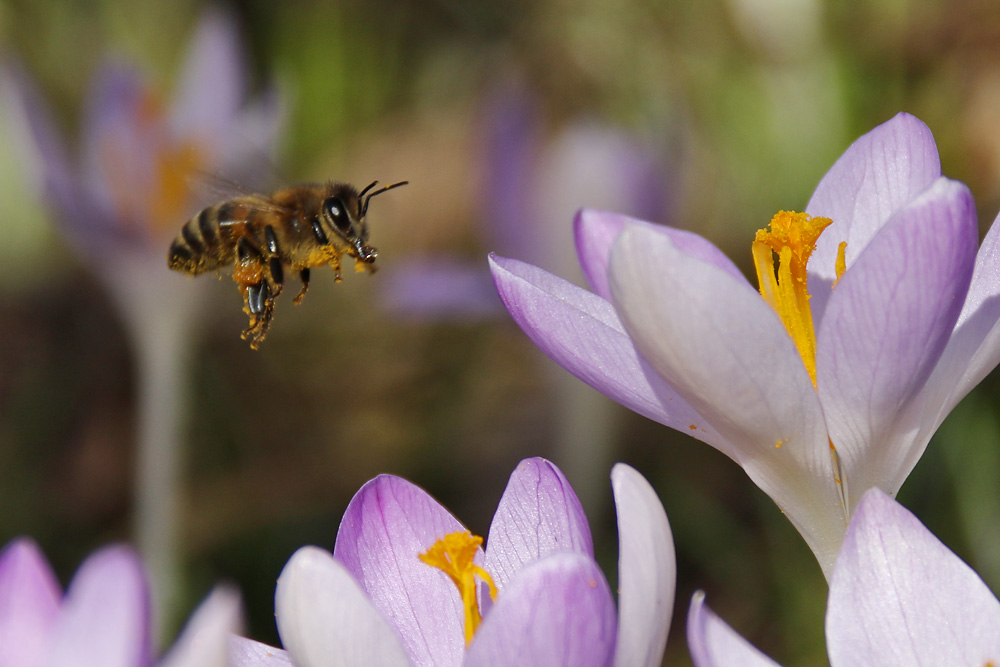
x: 120, y: 203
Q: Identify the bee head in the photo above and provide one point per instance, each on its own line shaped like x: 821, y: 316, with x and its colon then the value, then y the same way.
x: 345, y: 213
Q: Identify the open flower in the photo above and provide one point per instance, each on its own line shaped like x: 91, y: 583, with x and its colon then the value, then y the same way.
x: 103, y: 620
x: 378, y: 600
x: 835, y: 380
x: 898, y: 596
x: 120, y: 201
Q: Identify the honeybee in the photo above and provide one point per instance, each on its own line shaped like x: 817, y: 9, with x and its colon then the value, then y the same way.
x: 263, y: 236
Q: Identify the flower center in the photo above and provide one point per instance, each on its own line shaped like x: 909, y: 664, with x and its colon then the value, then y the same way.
x: 453, y: 555
x: 792, y: 237
x: 148, y: 171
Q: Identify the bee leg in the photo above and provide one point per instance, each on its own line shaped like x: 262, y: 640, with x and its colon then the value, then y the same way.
x: 260, y: 305
x: 277, y: 275
x: 304, y: 277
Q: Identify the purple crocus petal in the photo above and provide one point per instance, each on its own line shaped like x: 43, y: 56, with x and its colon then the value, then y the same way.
x: 387, y: 524
x: 974, y: 348
x: 251, y: 137
x: 721, y: 346
x: 511, y: 131
x: 582, y: 333
x: 557, y: 611
x: 647, y: 570
x: 29, y: 603
x: 120, y: 140
x: 877, y: 175
x: 596, y: 231
x: 245, y: 652
x: 324, y: 617
x: 205, y: 639
x: 42, y: 146
x: 439, y: 288
x: 211, y: 86
x: 900, y: 597
x: 105, y: 617
x: 539, y: 514
x: 713, y: 643
x: 885, y: 327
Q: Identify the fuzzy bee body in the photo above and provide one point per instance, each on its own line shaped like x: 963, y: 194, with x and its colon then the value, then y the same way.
x: 264, y: 237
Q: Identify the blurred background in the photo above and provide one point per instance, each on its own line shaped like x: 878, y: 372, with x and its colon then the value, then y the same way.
x: 505, y: 117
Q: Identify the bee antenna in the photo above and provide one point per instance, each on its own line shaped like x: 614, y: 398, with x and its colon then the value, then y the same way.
x: 370, y: 186
x: 386, y: 188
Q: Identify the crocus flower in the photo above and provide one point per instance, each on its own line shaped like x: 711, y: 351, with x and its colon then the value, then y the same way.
x: 103, y: 619
x: 898, y: 596
x: 408, y: 585
x: 831, y: 384
x: 121, y: 202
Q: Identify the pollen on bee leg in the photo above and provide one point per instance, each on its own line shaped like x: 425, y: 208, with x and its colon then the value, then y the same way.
x: 453, y: 554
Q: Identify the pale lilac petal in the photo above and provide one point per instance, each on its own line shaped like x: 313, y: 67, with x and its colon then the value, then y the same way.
x: 511, y: 131
x: 387, y: 524
x: 211, y: 86
x: 721, y: 346
x: 245, y: 652
x: 325, y: 618
x: 900, y: 597
x: 596, y: 231
x: 582, y: 333
x: 253, y: 136
x: 885, y: 327
x: 105, y: 617
x: 557, y: 611
x: 974, y: 348
x: 42, y: 147
x: 877, y: 175
x: 713, y: 643
x: 29, y: 604
x: 439, y: 288
x: 121, y: 139
x: 539, y: 514
x: 204, y: 641
x: 647, y: 570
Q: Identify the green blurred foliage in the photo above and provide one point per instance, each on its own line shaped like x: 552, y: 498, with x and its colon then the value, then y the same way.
x: 752, y: 102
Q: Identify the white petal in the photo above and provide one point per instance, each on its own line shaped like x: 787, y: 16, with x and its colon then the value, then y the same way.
x: 205, y: 639
x: 724, y: 350
x: 899, y: 596
x: 324, y: 617
x: 647, y: 570
x: 714, y: 644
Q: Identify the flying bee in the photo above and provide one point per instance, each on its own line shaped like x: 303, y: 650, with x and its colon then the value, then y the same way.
x: 264, y: 236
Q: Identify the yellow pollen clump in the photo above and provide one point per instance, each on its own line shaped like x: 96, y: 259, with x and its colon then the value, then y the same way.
x: 453, y: 555
x: 792, y: 236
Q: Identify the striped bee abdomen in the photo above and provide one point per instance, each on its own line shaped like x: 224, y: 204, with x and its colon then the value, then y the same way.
x: 202, y: 244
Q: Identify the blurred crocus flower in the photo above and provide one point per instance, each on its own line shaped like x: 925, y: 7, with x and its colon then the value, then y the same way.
x: 122, y: 200
x: 103, y: 619
x: 831, y: 384
x: 529, y: 181
x: 408, y: 585
x: 898, y: 596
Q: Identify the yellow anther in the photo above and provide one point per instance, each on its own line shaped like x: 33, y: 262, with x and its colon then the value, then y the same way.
x: 792, y: 236
x: 841, y: 262
x: 453, y: 555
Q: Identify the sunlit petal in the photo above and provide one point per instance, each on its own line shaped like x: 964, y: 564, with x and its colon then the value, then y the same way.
x: 387, y: 524
x: 647, y: 570
x: 322, y: 613
x: 539, y: 514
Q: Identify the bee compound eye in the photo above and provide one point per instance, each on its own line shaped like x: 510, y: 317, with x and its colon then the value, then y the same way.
x: 334, y: 208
